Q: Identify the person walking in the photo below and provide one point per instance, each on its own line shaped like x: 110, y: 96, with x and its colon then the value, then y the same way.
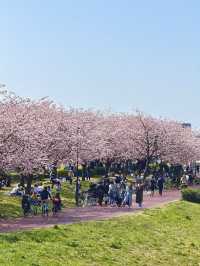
x: 111, y: 194
x: 160, y: 185
x: 45, y: 196
x: 106, y: 190
x: 100, y: 193
x: 26, y: 206
x: 77, y: 191
x: 139, y: 194
x: 122, y: 192
x: 152, y: 186
x: 130, y: 195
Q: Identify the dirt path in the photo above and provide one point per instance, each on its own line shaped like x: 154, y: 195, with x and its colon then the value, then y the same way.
x: 69, y: 216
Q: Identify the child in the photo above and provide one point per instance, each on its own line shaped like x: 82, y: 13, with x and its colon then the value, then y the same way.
x: 34, y: 203
x: 56, y: 203
x: 58, y: 186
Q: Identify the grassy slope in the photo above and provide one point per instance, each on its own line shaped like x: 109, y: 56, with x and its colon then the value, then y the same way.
x: 9, y: 206
x: 167, y: 236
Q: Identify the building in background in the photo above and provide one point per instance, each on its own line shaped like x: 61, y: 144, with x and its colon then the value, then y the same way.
x: 186, y: 125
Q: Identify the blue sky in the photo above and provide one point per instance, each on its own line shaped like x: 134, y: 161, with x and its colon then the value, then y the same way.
x: 105, y: 54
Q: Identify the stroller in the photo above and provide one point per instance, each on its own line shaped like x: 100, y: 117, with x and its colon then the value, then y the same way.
x: 91, y: 196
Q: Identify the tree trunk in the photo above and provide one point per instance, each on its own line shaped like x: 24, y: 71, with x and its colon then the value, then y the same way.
x: 22, y: 180
x: 45, y: 172
x: 146, y: 170
x: 8, y: 181
x: 29, y: 183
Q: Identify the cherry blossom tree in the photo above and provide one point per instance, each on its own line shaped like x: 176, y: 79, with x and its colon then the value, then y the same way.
x: 34, y: 134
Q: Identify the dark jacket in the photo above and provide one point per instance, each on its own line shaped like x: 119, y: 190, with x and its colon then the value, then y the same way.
x: 45, y: 195
x: 25, y: 203
x: 161, y: 182
x: 139, y: 194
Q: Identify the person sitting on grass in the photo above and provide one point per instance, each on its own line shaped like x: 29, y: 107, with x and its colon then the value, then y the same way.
x: 17, y: 191
x: 26, y: 206
x: 56, y: 203
x: 38, y: 189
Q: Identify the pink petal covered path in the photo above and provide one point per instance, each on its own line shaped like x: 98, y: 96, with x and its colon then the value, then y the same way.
x: 75, y: 215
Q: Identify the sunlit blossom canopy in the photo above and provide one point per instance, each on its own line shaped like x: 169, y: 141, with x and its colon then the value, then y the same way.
x: 34, y: 134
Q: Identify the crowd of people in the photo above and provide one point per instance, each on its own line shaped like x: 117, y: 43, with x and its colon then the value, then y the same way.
x: 110, y: 191
x: 118, y: 191
x: 40, y: 198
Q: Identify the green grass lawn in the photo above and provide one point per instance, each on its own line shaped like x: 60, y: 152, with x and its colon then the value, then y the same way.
x: 167, y: 236
x: 10, y: 207
x: 68, y: 192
